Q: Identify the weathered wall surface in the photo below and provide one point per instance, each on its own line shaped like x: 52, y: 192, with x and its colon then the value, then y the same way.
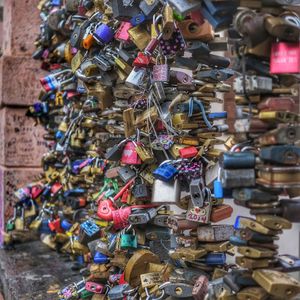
x: 21, y: 143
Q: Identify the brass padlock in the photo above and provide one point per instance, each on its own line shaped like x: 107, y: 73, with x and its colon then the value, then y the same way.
x: 252, y: 293
x: 277, y: 284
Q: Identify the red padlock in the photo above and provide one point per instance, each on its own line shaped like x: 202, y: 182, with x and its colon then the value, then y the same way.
x: 105, y: 210
x: 129, y: 155
x: 55, y: 225
x: 120, y: 217
x: 36, y: 191
x: 125, y: 196
x: 56, y: 187
x: 95, y: 287
x: 221, y: 212
x: 278, y: 104
x: 188, y: 152
x: 142, y: 60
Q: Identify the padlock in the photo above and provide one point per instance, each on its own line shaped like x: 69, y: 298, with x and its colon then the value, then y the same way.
x: 126, y: 173
x: 166, y: 192
x: 129, y: 155
x: 200, y: 288
x: 88, y: 232
x: 284, y: 134
x: 19, y: 221
x: 117, y: 291
x: 140, y: 191
x: 178, y: 290
x: 277, y: 283
x: 165, y: 172
x: 188, y: 152
x: 221, y: 212
x: 252, y: 252
x: 191, y: 30
x: 238, y: 160
x: 128, y: 239
x: 187, y: 254
x: 238, y: 178
x: 215, y: 233
x: 139, y: 36
x: 287, y: 155
x: 242, y: 222
x: 180, y: 223
x: 149, y: 7
x: 200, y: 214
x: 168, y: 22
x: 105, y: 209
x: 136, y: 77
x: 196, y: 187
x: 122, y: 32
x: 100, y: 258
x: 252, y: 293
x: 185, y: 7
x: 160, y: 71
x: 145, y: 155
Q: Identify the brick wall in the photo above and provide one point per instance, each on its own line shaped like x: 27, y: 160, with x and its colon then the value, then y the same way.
x: 21, y: 143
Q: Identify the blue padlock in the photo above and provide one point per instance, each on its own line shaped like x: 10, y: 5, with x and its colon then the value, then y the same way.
x: 238, y: 160
x: 65, y: 225
x: 74, y: 192
x: 237, y: 241
x: 80, y: 259
x: 214, y: 259
x: 56, y: 2
x: 218, y: 189
x: 237, y: 224
x: 103, y: 34
x: 90, y: 228
x: 46, y: 191
x: 100, y: 258
x: 138, y: 19
x: 218, y: 22
x: 59, y: 135
x: 44, y: 228
x: 218, y: 115
x: 165, y: 172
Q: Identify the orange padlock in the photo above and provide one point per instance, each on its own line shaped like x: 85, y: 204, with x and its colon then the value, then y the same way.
x: 88, y: 42
x: 192, y: 30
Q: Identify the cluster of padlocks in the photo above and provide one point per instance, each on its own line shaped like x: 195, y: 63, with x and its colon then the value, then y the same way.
x: 138, y: 166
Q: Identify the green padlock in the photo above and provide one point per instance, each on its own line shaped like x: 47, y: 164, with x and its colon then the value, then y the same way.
x: 10, y: 225
x: 128, y: 239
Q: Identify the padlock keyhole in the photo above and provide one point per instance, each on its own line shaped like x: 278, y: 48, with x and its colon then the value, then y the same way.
x: 193, y: 27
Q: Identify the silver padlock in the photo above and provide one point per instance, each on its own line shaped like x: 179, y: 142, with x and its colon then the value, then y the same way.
x: 196, y: 187
x: 126, y: 173
x: 238, y: 178
x: 166, y: 192
x: 254, y: 84
x: 136, y: 77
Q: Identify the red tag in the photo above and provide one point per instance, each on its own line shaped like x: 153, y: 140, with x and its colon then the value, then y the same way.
x: 285, y: 58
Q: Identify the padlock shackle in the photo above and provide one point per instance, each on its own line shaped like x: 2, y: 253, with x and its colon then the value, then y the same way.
x: 87, y: 79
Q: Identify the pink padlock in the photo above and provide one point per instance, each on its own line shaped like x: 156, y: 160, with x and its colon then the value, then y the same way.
x: 122, y: 34
x: 129, y: 155
x: 285, y: 58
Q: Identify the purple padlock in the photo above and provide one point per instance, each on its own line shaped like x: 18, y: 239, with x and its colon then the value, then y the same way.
x: 103, y: 34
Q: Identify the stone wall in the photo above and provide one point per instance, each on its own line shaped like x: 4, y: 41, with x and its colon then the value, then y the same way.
x: 21, y: 142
